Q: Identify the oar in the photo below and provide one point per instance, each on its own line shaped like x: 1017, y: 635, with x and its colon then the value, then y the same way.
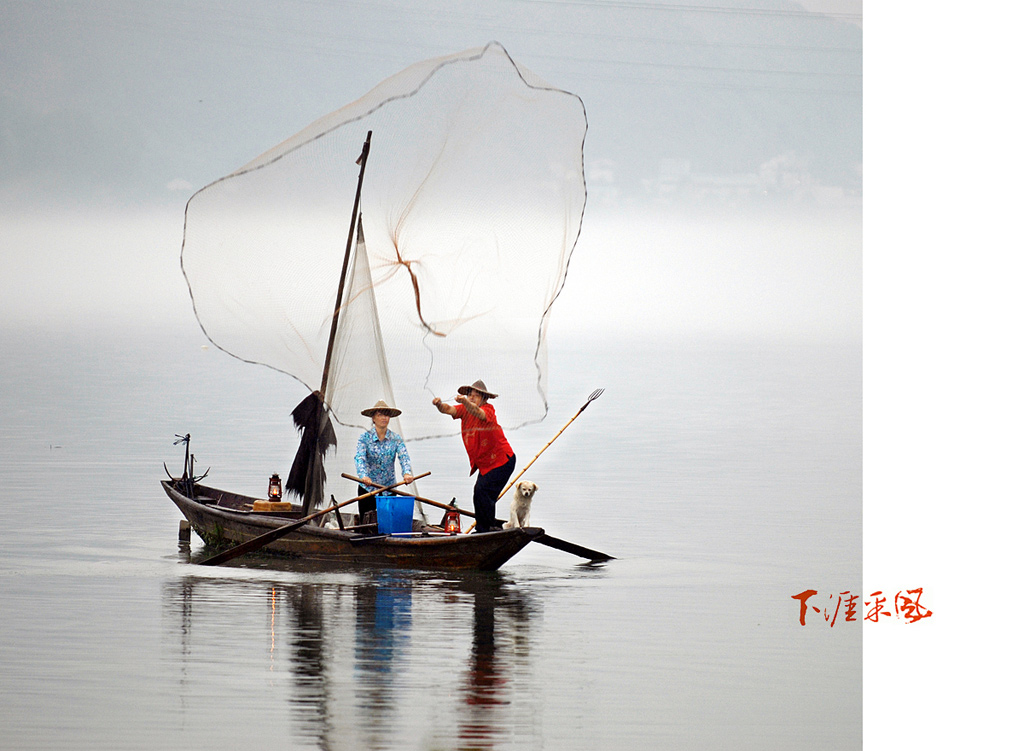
x: 594, y: 556
x: 258, y: 542
x: 544, y: 539
x: 592, y: 397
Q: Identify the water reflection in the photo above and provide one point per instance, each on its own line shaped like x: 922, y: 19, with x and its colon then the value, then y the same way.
x: 383, y: 619
x: 485, y: 687
x: 381, y: 660
x: 309, y: 672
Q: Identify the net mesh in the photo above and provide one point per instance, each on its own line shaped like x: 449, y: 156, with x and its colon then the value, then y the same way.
x: 472, y: 202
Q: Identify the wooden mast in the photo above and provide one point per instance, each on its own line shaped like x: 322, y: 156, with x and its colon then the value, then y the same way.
x: 361, y: 161
x: 313, y: 485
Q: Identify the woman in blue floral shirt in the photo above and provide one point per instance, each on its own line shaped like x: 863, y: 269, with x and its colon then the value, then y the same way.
x: 376, y: 452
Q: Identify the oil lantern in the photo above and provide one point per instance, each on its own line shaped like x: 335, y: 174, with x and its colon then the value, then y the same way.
x: 451, y: 523
x: 274, y: 491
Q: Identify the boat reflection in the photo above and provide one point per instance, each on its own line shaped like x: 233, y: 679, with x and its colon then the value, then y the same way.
x: 380, y: 659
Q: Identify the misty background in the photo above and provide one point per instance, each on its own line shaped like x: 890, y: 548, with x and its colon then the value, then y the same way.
x: 711, y: 124
x: 122, y: 103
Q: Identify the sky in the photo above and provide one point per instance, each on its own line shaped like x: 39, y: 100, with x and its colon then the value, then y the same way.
x: 110, y: 101
x: 112, y: 113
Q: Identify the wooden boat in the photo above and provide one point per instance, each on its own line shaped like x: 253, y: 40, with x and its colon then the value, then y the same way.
x: 222, y: 518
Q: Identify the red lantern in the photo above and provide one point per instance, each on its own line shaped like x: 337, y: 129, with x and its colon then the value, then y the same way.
x: 274, y: 491
x: 451, y: 523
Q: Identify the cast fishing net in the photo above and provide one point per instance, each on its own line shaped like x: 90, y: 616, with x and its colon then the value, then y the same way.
x: 472, y: 202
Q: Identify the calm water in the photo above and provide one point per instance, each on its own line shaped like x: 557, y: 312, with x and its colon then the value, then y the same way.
x: 726, y: 477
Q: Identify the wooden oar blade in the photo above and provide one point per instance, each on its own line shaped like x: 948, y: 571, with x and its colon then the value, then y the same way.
x: 594, y: 556
x: 247, y: 547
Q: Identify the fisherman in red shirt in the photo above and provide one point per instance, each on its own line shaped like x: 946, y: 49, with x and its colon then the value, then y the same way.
x: 488, y: 450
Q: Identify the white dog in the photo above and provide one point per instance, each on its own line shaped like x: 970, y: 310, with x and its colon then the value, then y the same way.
x: 519, y: 510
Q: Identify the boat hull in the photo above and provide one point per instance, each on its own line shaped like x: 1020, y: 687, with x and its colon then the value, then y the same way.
x: 224, y: 519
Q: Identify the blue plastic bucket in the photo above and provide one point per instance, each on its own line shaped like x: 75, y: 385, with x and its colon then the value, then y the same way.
x: 394, y: 514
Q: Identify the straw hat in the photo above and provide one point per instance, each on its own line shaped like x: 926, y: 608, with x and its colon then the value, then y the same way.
x: 382, y: 406
x: 478, y: 386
